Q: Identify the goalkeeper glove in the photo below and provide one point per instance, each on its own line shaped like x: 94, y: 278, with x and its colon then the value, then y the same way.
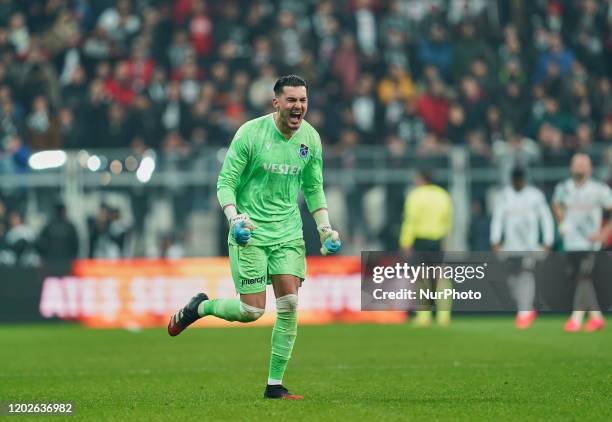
x: 241, y: 228
x: 330, y: 240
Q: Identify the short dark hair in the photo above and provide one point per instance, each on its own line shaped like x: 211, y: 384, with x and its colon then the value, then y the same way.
x: 288, y: 80
x: 425, y: 174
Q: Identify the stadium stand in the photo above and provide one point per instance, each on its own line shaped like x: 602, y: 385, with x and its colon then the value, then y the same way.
x: 467, y: 87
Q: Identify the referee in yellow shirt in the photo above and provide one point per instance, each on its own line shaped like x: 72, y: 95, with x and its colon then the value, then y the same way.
x: 428, y: 218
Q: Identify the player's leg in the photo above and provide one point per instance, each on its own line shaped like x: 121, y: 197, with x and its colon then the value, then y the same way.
x: 443, y: 305
x: 249, y: 272
x: 423, y: 314
x: 596, y: 319
x: 524, y: 291
x: 582, y: 267
x: 249, y: 308
x: 287, y: 266
x: 427, y: 253
x: 525, y: 295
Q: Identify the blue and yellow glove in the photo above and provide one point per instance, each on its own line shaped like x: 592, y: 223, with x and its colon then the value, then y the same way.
x: 241, y: 228
x: 330, y: 240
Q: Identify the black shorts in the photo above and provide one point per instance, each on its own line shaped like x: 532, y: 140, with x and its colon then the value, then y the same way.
x: 427, y: 245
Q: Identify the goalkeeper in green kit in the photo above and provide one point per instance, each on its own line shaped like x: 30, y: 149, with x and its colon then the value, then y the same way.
x: 269, y: 161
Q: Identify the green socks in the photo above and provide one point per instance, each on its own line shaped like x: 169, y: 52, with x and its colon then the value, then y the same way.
x: 229, y: 310
x: 283, y: 333
x: 283, y: 337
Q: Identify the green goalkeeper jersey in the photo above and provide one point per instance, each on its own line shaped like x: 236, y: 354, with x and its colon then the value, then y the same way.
x: 263, y: 173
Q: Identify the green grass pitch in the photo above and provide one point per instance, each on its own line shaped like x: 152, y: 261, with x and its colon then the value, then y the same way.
x: 480, y: 368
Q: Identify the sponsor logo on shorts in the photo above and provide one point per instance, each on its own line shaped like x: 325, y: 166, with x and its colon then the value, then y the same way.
x: 250, y: 281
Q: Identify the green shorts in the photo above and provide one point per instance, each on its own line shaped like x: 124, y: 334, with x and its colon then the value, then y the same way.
x: 252, y: 266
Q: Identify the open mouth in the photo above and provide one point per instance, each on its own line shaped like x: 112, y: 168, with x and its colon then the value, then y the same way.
x: 295, y: 117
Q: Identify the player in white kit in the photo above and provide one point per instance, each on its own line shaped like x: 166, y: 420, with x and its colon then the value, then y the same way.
x: 520, y: 214
x: 578, y: 205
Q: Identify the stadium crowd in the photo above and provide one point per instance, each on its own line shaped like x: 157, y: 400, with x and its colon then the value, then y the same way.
x: 515, y: 82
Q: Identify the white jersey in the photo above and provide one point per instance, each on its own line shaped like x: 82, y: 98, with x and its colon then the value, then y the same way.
x: 584, y: 207
x: 518, y: 218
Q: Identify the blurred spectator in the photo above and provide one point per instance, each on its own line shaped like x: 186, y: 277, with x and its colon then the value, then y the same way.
x: 602, y: 101
x: 557, y: 56
x: 119, y: 88
x: 459, y: 10
x: 140, y: 66
x: 70, y: 130
x: 431, y: 146
x: 468, y: 48
x: 63, y: 34
x: 144, y: 120
x: 410, y: 127
x: 588, y: 35
x: 103, y: 241
x: 42, y: 126
x: 98, y: 46
x: 480, y: 223
x: 7, y: 257
x: 58, y: 241
x: 433, y: 107
x: 11, y: 116
x: 345, y: 65
x: 553, y: 118
x: 364, y: 106
x: 179, y: 49
x: 394, y: 193
x: 365, y: 26
x: 14, y: 155
x: 493, y: 125
x: 327, y: 27
x: 20, y: 239
x: 605, y: 130
x: 511, y: 51
x: 396, y: 36
x: 118, y: 130
x: 74, y: 90
x: 200, y: 28
x: 479, y: 70
x: 479, y: 148
x: 119, y: 23
x: 260, y: 91
x: 583, y: 140
x: 435, y: 49
x: 418, y: 11
x: 456, y: 124
x: 157, y: 90
x: 189, y: 77
x: 174, y: 111
x: 19, y: 35
x: 171, y: 246
x: 474, y: 103
x: 514, y: 106
x: 289, y: 40
x: 38, y: 77
x: 515, y: 152
x: 119, y: 230
x: 396, y: 86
